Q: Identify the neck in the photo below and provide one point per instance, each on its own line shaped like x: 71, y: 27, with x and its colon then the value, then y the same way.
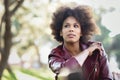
x: 73, y: 48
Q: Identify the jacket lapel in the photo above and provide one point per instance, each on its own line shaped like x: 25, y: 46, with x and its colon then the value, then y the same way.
x: 90, y: 65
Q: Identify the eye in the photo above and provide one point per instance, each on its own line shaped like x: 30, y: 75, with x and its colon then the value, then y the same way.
x: 66, y: 26
x: 76, y: 26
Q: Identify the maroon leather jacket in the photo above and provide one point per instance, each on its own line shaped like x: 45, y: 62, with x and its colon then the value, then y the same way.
x: 95, y: 67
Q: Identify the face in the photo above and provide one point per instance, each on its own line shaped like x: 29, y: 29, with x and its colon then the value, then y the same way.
x: 71, y: 30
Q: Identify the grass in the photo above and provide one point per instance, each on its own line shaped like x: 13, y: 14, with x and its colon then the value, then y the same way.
x: 29, y: 74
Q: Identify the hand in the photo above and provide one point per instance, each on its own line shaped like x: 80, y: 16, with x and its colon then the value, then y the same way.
x: 93, y: 47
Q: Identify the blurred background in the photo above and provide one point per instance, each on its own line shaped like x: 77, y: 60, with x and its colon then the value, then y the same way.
x: 26, y: 40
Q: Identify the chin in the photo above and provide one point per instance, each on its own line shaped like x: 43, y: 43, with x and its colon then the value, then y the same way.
x: 71, y: 41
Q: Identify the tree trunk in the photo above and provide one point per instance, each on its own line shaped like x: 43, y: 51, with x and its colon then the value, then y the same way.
x: 7, y: 38
x: 7, y: 35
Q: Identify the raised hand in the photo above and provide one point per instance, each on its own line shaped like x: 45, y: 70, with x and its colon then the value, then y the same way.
x: 94, y: 46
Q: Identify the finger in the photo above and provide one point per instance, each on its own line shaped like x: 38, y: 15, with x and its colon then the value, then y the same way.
x: 100, y: 51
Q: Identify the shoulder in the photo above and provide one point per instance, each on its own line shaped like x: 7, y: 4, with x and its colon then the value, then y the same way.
x: 58, y: 50
x: 91, y: 42
x: 102, y: 50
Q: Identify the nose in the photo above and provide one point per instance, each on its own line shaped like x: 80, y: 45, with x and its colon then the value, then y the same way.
x: 71, y: 29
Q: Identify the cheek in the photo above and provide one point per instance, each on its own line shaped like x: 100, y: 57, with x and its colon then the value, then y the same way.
x: 62, y: 33
x: 79, y: 32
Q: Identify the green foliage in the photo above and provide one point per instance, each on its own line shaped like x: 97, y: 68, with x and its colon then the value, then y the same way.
x: 116, y: 43
x: 115, y: 47
x: 118, y: 58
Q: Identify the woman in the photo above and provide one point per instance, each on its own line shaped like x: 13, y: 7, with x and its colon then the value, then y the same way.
x: 74, y: 28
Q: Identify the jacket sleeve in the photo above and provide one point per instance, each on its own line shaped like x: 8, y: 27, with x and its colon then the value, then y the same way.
x: 57, y: 62
x: 105, y: 73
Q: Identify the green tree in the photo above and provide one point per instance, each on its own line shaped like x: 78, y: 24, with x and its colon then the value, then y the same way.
x: 115, y: 47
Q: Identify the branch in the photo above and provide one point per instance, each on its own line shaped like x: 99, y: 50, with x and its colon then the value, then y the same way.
x: 11, y: 13
x: 2, y: 20
x: 16, y: 7
x: 11, y: 2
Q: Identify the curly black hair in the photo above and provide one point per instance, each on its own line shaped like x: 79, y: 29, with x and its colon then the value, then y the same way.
x: 82, y: 13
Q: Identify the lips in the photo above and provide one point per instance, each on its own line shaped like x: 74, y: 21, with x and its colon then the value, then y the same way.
x: 71, y: 35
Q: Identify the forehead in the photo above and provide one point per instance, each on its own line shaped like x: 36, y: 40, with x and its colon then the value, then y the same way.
x: 70, y: 19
